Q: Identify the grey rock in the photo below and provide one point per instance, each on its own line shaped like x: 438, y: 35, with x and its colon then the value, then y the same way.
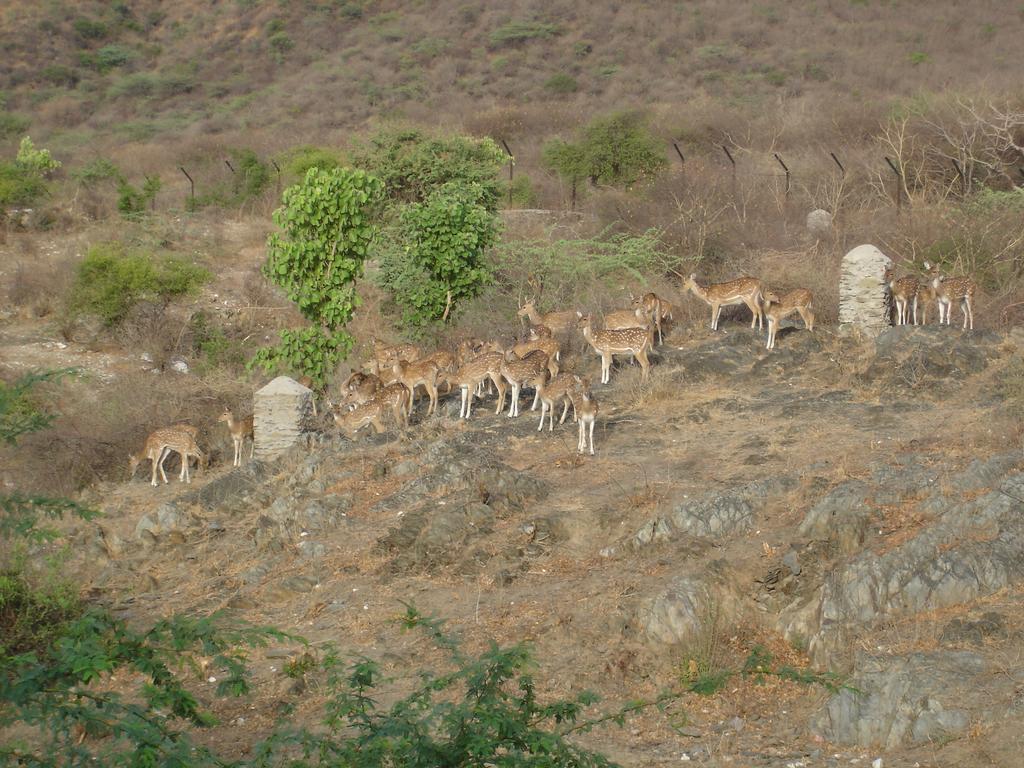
x: 300, y: 584
x: 312, y: 549
x: 842, y: 516
x: 164, y: 519
x: 713, y: 515
x: 792, y: 562
x: 960, y: 631
x: 283, y: 417
x: 902, y: 700
x: 819, y: 224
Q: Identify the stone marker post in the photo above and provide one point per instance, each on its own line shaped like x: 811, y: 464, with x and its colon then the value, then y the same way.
x: 282, y: 416
x: 863, y: 294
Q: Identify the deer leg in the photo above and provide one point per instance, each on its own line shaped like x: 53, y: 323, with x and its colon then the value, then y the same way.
x: 645, y: 364
x: 592, y: 422
x: 565, y: 412
x: 715, y: 311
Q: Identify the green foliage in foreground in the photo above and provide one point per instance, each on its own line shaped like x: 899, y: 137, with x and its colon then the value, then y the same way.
x: 327, y: 226
x: 437, y: 256
x: 110, y: 280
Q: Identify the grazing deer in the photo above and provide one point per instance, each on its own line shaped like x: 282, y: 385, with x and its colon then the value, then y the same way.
x: 586, y: 411
x: 742, y: 290
x: 418, y: 374
x: 469, y: 377
x: 955, y: 289
x: 548, y: 345
x: 180, y: 440
x: 904, y: 295
x: 558, y: 322
x: 532, y: 371
x: 618, y: 319
x: 627, y: 341
x: 394, y: 396
x: 371, y: 412
x: 384, y: 357
x: 561, y: 389
x: 240, y: 429
x: 779, y: 308
x: 360, y: 387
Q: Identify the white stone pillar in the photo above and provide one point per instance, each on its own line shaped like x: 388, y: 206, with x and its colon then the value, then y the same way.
x: 863, y: 294
x: 282, y: 416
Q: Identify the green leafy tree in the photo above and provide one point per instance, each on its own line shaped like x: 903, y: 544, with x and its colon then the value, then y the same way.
x: 412, y: 165
x: 327, y: 226
x: 439, y: 259
x: 618, y: 149
x: 34, y: 160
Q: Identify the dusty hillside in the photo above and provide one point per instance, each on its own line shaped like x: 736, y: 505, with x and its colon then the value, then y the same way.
x: 844, y: 503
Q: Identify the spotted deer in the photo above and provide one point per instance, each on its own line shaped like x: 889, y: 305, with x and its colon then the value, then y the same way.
x: 955, y: 289
x: 561, y: 389
x: 742, y: 290
x: 384, y: 357
x: 371, y: 412
x: 558, y: 322
x: 419, y: 374
x: 904, y: 295
x: 586, y: 411
x: 626, y: 341
x: 655, y: 310
x: 180, y: 440
x: 240, y: 429
x: 394, y: 396
x: 531, y: 371
x: 540, y: 332
x: 360, y: 387
x: 548, y: 345
x: 778, y: 308
x: 472, y: 373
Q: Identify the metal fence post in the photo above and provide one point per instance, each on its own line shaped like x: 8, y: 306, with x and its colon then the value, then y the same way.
x: 191, y: 205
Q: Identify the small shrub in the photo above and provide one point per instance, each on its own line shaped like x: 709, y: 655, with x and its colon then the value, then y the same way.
x: 96, y: 171
x: 132, y: 202
x: 561, y: 84
x: 280, y: 44
x: 110, y: 280
x: 112, y: 56
x: 59, y: 75
x: 523, y: 194
x: 135, y: 85
x: 582, y: 49
x: 12, y: 125
x: 19, y: 187
x: 350, y: 9
x: 516, y: 32
x: 617, y: 149
x: 89, y: 29
x: 918, y: 57
x: 296, y: 161
x: 35, y: 161
x: 33, y: 615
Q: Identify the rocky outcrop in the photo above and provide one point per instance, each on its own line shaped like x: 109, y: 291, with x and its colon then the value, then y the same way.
x: 894, y: 701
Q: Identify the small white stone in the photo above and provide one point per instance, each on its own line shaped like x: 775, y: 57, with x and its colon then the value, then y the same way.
x: 211, y: 679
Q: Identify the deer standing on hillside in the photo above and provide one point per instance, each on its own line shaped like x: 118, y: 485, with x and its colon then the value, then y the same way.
x: 371, y: 412
x: 778, y: 308
x: 955, y: 289
x: 655, y: 310
x: 742, y: 290
x: 558, y: 322
x: 586, y: 411
x: 472, y: 373
x: 384, y: 357
x: 904, y: 295
x: 532, y: 371
x: 160, y: 442
x: 418, y: 374
x: 240, y: 429
x: 564, y: 388
x: 626, y: 341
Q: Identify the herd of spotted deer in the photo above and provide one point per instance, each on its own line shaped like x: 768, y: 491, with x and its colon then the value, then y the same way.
x: 396, y: 372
